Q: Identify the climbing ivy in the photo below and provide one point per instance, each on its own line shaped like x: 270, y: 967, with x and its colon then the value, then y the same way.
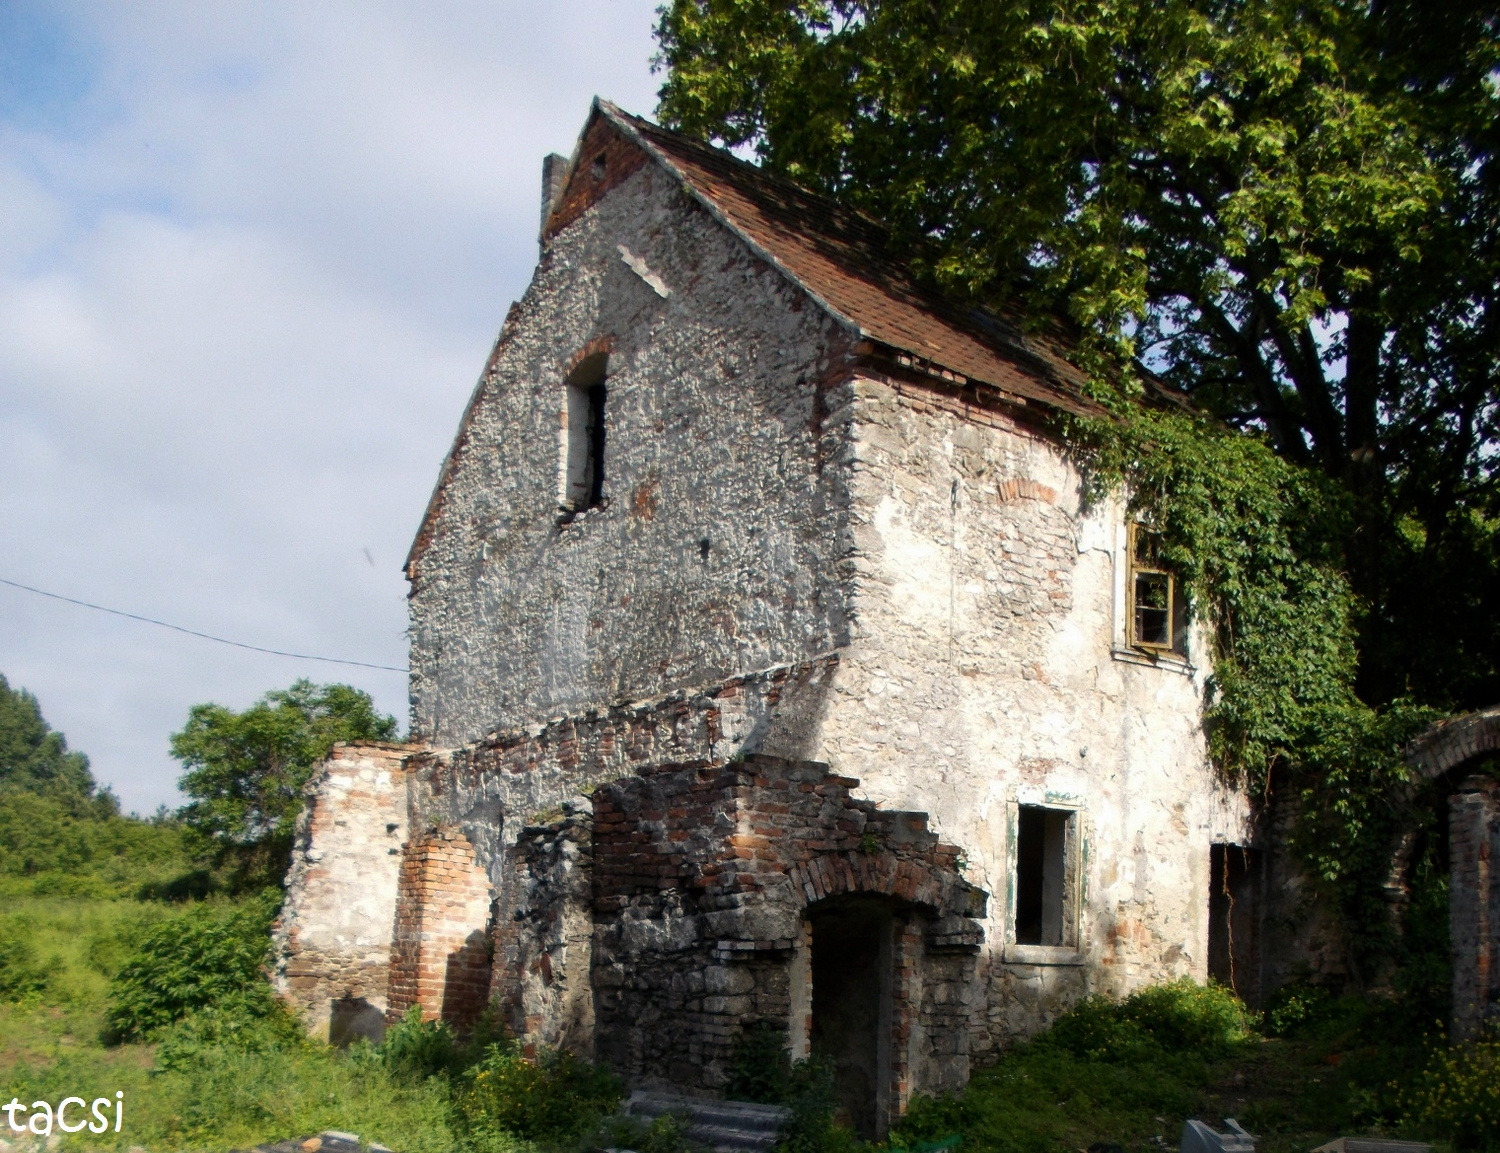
x: 1255, y: 541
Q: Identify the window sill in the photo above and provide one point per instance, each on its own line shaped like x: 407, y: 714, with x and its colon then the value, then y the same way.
x: 1042, y: 955
x: 567, y: 518
x: 1170, y: 662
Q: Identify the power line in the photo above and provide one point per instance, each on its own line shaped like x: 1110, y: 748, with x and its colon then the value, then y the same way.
x: 195, y: 632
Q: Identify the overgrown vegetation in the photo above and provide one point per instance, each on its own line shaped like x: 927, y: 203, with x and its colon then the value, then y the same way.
x: 245, y: 770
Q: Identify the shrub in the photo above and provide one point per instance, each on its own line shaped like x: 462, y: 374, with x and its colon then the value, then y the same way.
x: 206, y: 1033
x: 21, y: 974
x: 555, y: 1101
x: 1458, y: 1094
x: 418, y: 1049
x: 1294, y: 1009
x: 212, y: 955
x: 1178, y: 1017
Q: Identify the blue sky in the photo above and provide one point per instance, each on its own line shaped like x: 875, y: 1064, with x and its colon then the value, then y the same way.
x: 252, y: 257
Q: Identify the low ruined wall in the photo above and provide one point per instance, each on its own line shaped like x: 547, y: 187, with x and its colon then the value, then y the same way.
x: 703, y: 880
x: 440, y: 951
x: 334, y: 936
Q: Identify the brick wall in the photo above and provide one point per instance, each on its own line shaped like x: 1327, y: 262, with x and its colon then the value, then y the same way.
x: 702, y: 879
x: 333, y: 938
x: 440, y: 950
x: 1474, y: 902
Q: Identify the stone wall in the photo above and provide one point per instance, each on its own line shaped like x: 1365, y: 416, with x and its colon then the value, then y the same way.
x: 544, y: 935
x: 703, y: 880
x: 441, y: 945
x: 988, y: 668
x: 334, y: 937
x: 716, y: 548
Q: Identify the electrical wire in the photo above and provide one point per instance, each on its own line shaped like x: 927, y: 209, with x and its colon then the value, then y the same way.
x: 195, y: 632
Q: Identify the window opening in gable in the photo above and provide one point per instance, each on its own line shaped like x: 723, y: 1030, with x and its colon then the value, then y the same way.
x: 1158, y: 616
x: 584, y: 436
x: 1042, y: 846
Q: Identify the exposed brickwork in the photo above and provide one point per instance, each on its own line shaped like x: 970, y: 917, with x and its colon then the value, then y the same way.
x: 1449, y: 744
x: 440, y: 955
x: 702, y: 879
x: 333, y: 938
x: 1474, y: 903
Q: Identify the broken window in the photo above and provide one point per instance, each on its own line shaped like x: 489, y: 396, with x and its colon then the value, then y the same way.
x: 583, y: 436
x: 1158, y: 619
x: 1043, y: 845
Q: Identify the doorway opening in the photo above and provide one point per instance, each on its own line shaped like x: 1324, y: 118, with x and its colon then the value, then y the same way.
x: 852, y: 945
x: 1234, y: 916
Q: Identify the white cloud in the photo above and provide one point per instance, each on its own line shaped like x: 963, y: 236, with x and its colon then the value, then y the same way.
x: 249, y: 270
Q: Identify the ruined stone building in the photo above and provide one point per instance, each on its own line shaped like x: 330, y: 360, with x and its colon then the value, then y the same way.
x: 768, y: 665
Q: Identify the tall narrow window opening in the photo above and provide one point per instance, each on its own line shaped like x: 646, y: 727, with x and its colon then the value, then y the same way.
x: 1157, y: 617
x: 1041, y: 875
x: 583, y: 436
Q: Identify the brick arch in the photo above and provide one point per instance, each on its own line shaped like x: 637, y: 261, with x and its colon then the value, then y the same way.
x: 1450, y: 743
x: 761, y: 839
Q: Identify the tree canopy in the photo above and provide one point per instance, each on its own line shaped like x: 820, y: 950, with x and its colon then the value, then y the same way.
x: 246, y: 770
x: 36, y: 759
x: 1290, y: 210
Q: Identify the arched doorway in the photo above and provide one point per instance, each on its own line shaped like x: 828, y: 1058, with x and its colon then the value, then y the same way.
x: 1447, y: 755
x: 853, y: 973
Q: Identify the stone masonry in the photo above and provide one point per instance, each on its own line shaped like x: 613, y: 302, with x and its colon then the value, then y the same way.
x: 334, y: 938
x: 754, y: 733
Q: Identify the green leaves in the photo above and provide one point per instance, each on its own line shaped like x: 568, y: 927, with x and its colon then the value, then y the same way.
x: 1290, y: 210
x: 245, y: 771
x: 35, y: 759
x: 209, y: 957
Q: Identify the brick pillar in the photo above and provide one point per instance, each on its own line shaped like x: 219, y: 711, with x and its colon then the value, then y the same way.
x: 1473, y: 902
x: 906, y: 998
x: 440, y: 951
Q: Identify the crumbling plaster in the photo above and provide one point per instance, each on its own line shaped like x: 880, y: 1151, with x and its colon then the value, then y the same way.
x: 985, y: 669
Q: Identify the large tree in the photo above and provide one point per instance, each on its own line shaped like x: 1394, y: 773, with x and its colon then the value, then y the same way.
x: 1289, y: 210
x: 246, y: 770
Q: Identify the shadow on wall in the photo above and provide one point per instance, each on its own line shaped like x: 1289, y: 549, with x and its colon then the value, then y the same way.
x: 466, y: 983
x: 351, y: 1019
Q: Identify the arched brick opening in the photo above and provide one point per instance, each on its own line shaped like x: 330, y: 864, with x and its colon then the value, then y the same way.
x: 1453, y: 742
x: 1444, y: 751
x: 708, y: 883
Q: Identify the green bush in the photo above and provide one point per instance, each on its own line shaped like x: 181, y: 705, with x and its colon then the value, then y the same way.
x: 210, y: 956
x: 22, y: 975
x: 203, y: 1033
x: 1106, y: 1068
x: 1179, y: 1017
x: 555, y: 1101
x: 1457, y: 1096
x: 417, y: 1049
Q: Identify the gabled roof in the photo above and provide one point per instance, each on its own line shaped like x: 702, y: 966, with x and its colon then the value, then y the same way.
x: 839, y: 257
x: 842, y: 258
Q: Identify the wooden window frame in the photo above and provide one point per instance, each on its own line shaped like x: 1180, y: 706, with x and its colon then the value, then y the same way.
x: 1135, y: 570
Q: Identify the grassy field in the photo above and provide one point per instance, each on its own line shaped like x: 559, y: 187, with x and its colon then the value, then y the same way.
x: 225, y: 1095
x: 1118, y: 1075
